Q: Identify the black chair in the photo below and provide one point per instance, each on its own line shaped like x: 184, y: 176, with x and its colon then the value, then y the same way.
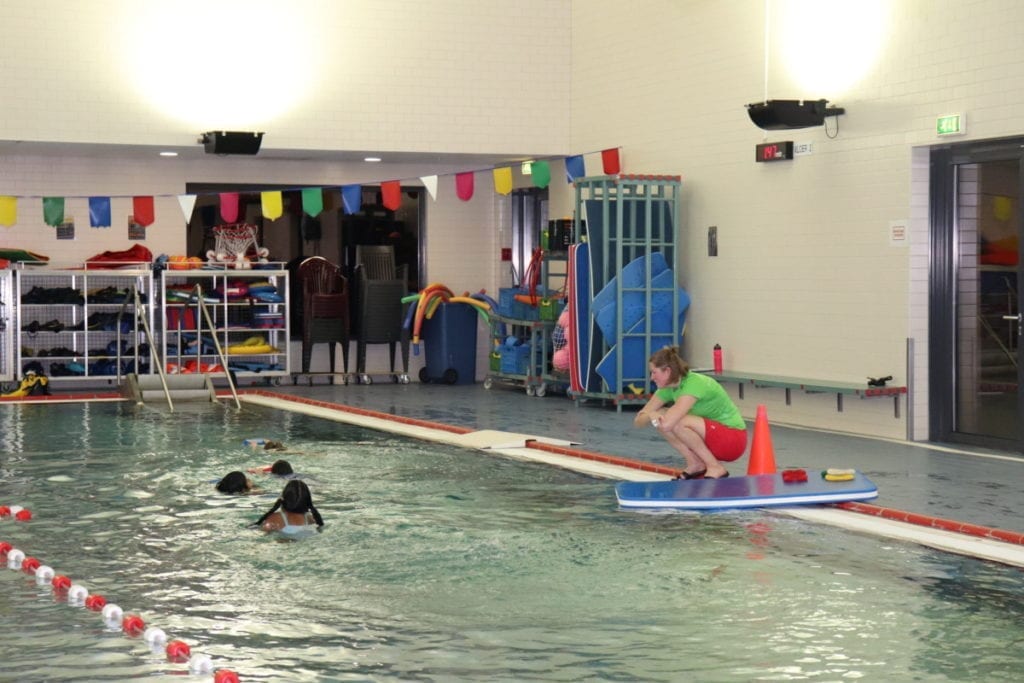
x: 380, y: 311
x: 325, y: 308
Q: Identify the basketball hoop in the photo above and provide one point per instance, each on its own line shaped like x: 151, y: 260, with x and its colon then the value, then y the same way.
x: 236, y: 246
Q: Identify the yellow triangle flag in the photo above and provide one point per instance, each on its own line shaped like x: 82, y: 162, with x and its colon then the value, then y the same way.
x: 503, y: 180
x: 271, y: 202
x: 8, y: 211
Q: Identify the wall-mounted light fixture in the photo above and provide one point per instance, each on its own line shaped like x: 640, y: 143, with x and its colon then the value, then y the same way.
x: 790, y: 114
x: 231, y: 142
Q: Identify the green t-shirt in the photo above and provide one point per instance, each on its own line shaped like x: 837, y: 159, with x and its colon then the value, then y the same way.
x: 712, y: 400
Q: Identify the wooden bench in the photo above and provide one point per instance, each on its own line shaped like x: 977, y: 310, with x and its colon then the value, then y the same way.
x: 811, y: 386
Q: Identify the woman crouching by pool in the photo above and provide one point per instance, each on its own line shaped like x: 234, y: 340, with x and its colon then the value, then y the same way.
x: 296, y: 513
x: 695, y: 415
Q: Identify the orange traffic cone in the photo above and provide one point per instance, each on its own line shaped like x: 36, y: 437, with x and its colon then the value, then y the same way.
x: 762, y: 456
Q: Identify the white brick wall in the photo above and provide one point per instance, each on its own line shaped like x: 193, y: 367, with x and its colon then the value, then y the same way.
x: 806, y: 282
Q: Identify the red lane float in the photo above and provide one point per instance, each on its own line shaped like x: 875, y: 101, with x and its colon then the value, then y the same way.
x: 133, y: 625
x: 178, y: 651
x: 96, y: 603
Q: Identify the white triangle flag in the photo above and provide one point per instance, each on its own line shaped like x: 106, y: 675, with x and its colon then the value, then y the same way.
x: 187, y: 203
x: 430, y: 182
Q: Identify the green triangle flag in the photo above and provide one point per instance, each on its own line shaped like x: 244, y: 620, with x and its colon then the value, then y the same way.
x: 312, y: 201
x: 53, y: 210
x: 540, y: 171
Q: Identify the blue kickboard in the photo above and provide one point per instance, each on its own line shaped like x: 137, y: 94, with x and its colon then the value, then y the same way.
x: 632, y: 276
x: 634, y: 305
x: 758, y: 491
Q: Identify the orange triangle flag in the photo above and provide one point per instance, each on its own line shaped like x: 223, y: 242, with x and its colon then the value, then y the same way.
x: 391, y: 194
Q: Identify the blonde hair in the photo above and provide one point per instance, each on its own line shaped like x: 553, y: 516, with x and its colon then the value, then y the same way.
x: 669, y: 357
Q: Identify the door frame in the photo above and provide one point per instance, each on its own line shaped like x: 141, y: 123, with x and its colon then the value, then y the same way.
x: 942, y: 286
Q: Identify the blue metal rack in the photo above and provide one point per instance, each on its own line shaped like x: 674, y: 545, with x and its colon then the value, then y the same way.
x: 628, y: 218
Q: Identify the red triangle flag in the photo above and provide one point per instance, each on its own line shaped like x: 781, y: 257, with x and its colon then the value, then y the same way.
x: 142, y: 210
x: 391, y: 194
x: 464, y: 186
x: 610, y: 159
x: 229, y: 206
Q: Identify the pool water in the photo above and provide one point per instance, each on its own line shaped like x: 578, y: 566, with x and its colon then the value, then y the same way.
x: 442, y: 564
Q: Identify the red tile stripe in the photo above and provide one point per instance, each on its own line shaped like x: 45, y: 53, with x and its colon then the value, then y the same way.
x: 360, y: 411
x: 978, y: 530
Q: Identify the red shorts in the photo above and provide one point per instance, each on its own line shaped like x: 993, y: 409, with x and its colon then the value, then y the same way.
x: 725, y: 443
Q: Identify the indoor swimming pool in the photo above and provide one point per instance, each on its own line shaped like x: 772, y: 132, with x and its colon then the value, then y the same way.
x: 446, y: 564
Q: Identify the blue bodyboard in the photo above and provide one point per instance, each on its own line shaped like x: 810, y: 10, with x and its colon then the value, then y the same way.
x: 757, y: 491
x: 582, y: 322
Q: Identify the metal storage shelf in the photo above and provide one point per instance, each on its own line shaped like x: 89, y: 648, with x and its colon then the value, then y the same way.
x: 538, y: 377
x: 7, y: 325
x: 79, y: 322
x: 240, y: 319
x: 627, y: 217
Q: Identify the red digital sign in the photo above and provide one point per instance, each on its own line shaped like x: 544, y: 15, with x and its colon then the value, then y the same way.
x: 773, y: 151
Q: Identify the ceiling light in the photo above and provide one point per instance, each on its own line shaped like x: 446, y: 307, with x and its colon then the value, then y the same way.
x: 168, y: 154
x: 372, y: 159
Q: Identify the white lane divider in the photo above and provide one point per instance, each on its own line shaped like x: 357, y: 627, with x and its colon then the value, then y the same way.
x: 77, y: 595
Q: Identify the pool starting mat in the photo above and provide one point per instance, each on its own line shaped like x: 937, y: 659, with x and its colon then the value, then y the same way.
x: 789, y: 487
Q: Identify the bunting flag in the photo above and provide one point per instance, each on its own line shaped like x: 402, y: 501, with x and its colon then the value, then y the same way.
x: 540, y: 171
x: 187, y: 202
x: 352, y: 198
x: 610, y: 159
x: 464, y: 186
x: 430, y: 182
x: 53, y: 210
x: 99, y: 212
x: 271, y: 204
x: 502, y: 180
x: 142, y: 210
x: 391, y: 194
x: 229, y: 207
x: 8, y: 211
x: 312, y: 201
x: 574, y: 168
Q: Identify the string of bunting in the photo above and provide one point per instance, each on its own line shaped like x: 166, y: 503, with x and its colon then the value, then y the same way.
x: 144, y: 212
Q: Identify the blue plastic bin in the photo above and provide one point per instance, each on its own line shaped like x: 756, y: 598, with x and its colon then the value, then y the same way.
x: 449, y: 338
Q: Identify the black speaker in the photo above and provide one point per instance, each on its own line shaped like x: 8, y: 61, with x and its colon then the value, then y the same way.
x: 231, y: 142
x: 790, y: 114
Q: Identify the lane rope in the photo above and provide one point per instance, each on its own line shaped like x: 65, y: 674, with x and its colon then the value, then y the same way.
x: 130, y: 624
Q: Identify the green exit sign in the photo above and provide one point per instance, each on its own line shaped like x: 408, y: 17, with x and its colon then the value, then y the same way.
x: 951, y: 124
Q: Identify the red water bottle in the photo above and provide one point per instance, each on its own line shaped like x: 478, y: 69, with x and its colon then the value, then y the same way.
x: 717, y: 356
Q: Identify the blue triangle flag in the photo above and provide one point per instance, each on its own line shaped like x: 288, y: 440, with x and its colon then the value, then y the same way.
x: 99, y: 212
x: 574, y: 168
x: 352, y: 197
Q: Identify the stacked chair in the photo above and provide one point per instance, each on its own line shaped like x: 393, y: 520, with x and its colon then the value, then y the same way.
x: 325, y: 309
x: 380, y: 311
